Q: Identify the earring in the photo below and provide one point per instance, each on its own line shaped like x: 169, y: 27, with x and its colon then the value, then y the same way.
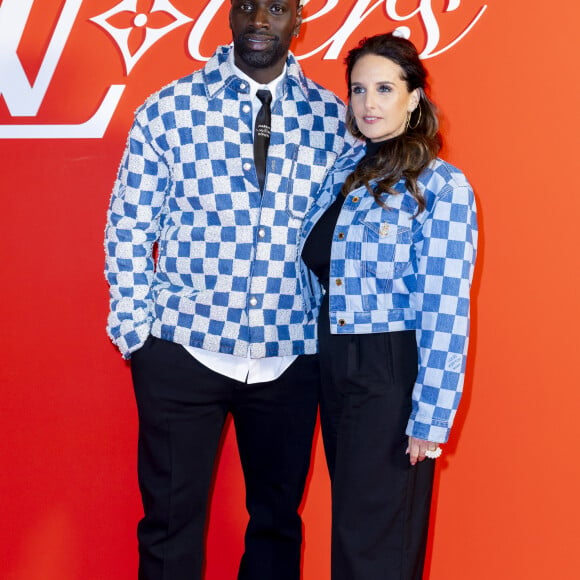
x: 409, y: 114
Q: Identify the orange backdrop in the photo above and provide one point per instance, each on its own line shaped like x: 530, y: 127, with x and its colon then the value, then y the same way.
x: 504, y: 74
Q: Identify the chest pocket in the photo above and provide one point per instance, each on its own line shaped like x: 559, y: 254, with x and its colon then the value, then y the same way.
x: 386, y: 248
x: 308, y: 169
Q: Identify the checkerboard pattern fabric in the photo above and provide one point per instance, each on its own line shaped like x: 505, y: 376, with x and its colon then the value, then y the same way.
x: 390, y: 272
x: 194, y: 253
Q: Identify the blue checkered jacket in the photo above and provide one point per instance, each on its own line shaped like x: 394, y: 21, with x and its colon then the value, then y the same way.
x: 390, y: 272
x: 227, y: 275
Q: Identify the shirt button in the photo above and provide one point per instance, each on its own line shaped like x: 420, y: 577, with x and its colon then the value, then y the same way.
x: 253, y: 301
x: 356, y: 199
x: 246, y: 108
x: 341, y: 322
x: 242, y: 86
x: 341, y: 236
x: 261, y: 233
x: 338, y: 282
x: 247, y: 166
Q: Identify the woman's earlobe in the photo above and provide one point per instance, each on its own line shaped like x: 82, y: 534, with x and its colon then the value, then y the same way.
x: 416, y: 98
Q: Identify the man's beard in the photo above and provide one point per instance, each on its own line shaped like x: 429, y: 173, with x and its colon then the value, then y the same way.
x: 260, y: 59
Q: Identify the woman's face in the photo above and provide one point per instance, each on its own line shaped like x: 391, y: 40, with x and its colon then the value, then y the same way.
x: 379, y: 97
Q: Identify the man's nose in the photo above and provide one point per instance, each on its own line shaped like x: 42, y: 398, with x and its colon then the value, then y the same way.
x: 261, y: 17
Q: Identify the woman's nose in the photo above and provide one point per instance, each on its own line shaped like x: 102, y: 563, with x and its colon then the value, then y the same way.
x: 369, y: 100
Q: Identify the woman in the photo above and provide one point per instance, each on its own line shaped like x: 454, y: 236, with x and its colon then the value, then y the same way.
x: 395, y: 253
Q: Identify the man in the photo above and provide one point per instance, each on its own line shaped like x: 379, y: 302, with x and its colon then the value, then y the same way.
x: 223, y: 322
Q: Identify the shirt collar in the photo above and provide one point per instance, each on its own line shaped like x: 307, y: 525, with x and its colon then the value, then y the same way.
x: 276, y: 86
x: 218, y: 72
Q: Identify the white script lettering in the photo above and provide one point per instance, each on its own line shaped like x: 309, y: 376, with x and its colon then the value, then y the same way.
x: 357, y: 15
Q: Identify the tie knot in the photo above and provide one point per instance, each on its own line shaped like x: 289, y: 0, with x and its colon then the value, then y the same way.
x: 265, y: 96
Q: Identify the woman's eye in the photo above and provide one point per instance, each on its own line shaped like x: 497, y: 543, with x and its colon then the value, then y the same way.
x: 357, y: 90
x: 385, y: 89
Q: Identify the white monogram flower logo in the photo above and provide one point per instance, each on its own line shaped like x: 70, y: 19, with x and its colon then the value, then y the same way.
x: 136, y: 25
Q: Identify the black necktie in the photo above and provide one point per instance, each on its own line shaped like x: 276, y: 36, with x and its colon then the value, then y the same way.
x: 262, y: 135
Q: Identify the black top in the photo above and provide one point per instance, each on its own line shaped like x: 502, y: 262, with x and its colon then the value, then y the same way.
x: 316, y: 251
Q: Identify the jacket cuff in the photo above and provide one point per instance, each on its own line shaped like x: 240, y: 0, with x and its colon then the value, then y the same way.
x: 436, y: 433
x: 130, y: 340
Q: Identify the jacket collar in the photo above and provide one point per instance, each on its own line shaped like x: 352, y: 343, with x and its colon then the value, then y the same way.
x: 218, y: 74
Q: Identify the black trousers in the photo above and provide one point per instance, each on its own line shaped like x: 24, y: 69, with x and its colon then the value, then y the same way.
x: 380, y: 503
x: 182, y: 408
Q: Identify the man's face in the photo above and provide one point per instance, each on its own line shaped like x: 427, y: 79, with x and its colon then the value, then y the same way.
x: 262, y: 31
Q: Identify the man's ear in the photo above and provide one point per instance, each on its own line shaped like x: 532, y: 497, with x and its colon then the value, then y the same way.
x: 298, y: 20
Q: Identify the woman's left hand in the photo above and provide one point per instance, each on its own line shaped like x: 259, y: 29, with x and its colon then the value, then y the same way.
x: 418, y: 447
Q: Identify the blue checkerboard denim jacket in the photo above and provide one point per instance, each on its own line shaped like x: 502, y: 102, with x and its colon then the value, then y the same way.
x: 228, y: 275
x: 391, y: 272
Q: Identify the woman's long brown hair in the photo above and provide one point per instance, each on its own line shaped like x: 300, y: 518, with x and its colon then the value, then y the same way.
x: 407, y: 155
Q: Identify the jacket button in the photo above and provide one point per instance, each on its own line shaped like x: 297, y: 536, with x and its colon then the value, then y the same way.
x: 247, y: 166
x: 356, y: 199
x: 341, y: 322
x: 253, y: 301
x: 341, y: 236
x: 261, y: 233
x: 338, y: 282
x: 246, y: 108
x: 384, y: 230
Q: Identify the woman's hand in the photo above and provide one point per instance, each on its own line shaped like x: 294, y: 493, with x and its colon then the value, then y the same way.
x: 418, y: 447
